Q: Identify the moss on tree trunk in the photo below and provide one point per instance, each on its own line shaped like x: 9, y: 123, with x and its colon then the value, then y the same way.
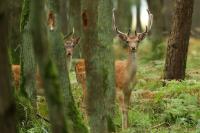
x: 28, y: 69
x: 75, y: 122
x: 47, y: 68
x: 99, y: 61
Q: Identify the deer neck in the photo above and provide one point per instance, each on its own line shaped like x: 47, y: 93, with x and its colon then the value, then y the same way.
x: 69, y: 62
x: 131, y: 65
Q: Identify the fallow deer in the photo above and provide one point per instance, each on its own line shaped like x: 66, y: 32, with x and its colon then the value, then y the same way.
x: 125, y: 70
x: 69, y: 45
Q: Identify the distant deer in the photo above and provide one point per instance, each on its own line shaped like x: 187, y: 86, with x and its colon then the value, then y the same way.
x: 69, y: 45
x: 125, y: 70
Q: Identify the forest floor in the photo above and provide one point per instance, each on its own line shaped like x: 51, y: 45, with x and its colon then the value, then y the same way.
x: 173, y: 108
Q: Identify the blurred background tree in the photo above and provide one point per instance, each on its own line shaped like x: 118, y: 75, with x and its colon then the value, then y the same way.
x: 7, y: 101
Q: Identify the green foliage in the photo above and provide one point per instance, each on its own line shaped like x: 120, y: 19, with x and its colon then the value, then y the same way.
x: 27, y: 119
x: 183, y: 110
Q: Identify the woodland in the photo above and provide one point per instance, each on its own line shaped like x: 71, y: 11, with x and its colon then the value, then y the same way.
x: 99, y: 66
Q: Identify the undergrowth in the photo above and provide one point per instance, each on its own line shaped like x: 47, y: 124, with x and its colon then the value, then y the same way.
x: 173, y: 107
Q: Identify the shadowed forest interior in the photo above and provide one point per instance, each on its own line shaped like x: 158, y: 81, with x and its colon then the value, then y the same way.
x: 99, y: 66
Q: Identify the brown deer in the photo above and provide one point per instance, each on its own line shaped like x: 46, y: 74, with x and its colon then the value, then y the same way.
x: 125, y: 70
x: 69, y: 45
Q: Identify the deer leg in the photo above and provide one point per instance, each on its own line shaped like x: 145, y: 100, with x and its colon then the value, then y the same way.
x: 127, y: 95
x: 120, y: 98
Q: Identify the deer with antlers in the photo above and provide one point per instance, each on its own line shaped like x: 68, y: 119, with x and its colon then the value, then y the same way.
x: 125, y: 70
x: 69, y: 44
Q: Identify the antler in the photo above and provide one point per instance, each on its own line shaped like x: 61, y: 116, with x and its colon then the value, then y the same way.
x: 150, y: 22
x: 122, y: 35
x: 68, y: 35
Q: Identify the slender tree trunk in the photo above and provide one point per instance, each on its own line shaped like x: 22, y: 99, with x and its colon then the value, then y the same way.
x: 138, y: 26
x: 178, y: 41
x: 58, y: 54
x: 47, y: 68
x: 7, y: 104
x: 168, y: 7
x: 196, y: 20
x: 97, y: 40
x: 124, y: 11
x: 156, y: 7
x: 28, y: 69
x: 75, y: 22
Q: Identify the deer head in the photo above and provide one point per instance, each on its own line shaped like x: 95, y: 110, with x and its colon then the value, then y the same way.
x: 133, y: 40
x: 70, y: 43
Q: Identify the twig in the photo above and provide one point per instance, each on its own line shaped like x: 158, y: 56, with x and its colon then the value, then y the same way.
x: 156, y: 126
x: 41, y: 117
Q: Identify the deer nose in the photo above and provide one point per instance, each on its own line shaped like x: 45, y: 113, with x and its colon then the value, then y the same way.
x: 69, y: 54
x: 133, y: 48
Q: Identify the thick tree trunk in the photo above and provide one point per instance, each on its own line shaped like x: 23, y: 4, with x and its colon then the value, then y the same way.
x: 7, y: 104
x: 15, y: 7
x: 97, y: 40
x: 178, y: 41
x: 47, y: 68
x: 28, y: 69
x: 59, y: 56
x: 156, y: 7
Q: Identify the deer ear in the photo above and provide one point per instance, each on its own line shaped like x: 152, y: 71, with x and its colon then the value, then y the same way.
x: 76, y: 41
x: 123, y: 37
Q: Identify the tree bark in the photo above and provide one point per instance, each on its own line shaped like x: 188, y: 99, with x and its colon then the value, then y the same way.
x: 157, y: 31
x: 75, y: 22
x: 178, y: 42
x: 7, y: 102
x: 97, y: 40
x: 15, y: 7
x: 59, y: 56
x: 47, y: 68
x: 28, y: 65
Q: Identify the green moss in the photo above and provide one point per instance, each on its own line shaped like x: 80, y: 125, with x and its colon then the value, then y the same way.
x: 25, y: 14
x: 79, y: 126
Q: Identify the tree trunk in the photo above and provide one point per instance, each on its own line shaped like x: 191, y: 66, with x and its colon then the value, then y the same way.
x: 138, y: 25
x: 196, y: 20
x: 124, y: 11
x: 75, y: 21
x: 58, y: 54
x: 7, y: 103
x: 178, y: 41
x: 28, y: 69
x: 47, y: 68
x: 168, y: 7
x: 15, y: 7
x: 156, y: 7
x: 97, y: 40
x: 64, y: 15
